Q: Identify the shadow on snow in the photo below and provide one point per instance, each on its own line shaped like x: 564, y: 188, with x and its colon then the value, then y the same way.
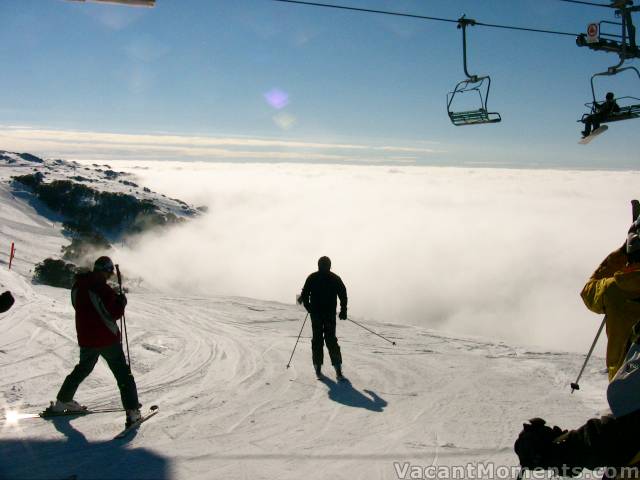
x: 77, y: 457
x: 344, y: 392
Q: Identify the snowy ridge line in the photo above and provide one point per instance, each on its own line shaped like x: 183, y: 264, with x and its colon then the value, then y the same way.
x: 99, y: 177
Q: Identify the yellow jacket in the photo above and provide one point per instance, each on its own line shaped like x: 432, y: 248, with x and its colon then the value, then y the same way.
x: 614, y: 289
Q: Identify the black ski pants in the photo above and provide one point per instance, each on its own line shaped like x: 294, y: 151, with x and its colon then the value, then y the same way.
x: 114, y: 356
x: 592, y: 122
x: 324, y: 332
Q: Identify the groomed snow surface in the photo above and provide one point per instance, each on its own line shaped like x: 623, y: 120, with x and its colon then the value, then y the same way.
x: 229, y: 408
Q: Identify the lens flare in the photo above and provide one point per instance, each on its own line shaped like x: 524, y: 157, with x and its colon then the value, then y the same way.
x: 277, y: 98
x: 284, y: 121
x: 12, y: 417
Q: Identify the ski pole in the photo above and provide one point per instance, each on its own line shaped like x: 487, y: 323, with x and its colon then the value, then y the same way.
x: 297, y: 340
x: 362, y: 326
x: 123, y: 320
x: 574, y: 385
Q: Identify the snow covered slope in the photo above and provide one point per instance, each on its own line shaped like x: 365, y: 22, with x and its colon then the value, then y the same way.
x: 229, y: 409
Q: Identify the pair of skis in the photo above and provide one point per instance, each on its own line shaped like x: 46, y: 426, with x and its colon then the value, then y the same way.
x: 87, y: 411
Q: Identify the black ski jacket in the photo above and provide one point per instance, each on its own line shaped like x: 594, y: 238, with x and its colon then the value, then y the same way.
x: 606, y: 108
x: 320, y: 291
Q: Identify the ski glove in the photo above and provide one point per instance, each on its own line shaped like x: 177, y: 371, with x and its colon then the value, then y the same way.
x: 343, y: 314
x: 6, y: 301
x: 538, y: 448
x: 122, y: 299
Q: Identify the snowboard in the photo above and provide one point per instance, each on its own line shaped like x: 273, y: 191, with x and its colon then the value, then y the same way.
x: 152, y: 411
x: 593, y: 135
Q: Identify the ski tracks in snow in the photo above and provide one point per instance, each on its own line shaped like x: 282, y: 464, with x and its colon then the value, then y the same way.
x: 231, y: 409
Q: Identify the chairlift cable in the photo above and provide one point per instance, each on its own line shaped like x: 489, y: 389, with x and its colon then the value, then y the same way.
x: 367, y: 10
x: 526, y: 29
x: 424, y: 17
x: 581, y: 2
x: 482, y: 115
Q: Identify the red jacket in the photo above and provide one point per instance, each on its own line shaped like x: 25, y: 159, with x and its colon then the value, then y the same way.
x: 97, y: 310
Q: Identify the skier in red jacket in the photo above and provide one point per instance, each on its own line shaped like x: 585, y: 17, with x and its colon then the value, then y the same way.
x: 98, y: 307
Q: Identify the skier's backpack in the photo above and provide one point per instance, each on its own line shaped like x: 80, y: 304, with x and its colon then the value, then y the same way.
x: 623, y: 392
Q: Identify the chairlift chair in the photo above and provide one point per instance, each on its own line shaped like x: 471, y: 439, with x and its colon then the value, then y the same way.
x: 472, y: 84
x: 629, y: 106
x: 472, y: 117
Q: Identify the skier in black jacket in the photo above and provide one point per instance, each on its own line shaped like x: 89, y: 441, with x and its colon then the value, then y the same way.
x: 319, y: 298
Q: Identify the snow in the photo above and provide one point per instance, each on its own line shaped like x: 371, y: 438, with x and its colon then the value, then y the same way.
x: 229, y: 408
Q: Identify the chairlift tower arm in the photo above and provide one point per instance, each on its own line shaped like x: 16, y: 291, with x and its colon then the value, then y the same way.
x: 626, y: 47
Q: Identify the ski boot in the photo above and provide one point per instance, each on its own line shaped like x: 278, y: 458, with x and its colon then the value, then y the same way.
x: 133, y: 416
x: 339, y: 376
x: 66, y: 407
x: 318, y: 369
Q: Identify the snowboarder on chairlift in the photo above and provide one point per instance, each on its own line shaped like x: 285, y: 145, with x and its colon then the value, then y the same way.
x: 319, y: 298
x: 98, y: 307
x: 602, y: 111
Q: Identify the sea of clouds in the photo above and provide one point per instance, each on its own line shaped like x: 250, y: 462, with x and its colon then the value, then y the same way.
x: 500, y: 253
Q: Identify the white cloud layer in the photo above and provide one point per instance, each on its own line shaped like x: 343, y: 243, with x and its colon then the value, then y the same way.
x: 86, y: 145
x: 493, y: 252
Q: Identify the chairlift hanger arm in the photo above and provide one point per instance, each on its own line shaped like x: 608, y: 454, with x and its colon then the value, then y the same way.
x: 627, y: 111
x: 610, y: 72
x: 463, y: 23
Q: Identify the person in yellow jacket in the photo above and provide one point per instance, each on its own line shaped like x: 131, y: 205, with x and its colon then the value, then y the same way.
x: 610, y: 443
x: 614, y: 289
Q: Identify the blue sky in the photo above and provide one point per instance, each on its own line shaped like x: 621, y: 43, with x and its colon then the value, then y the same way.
x: 359, y: 87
